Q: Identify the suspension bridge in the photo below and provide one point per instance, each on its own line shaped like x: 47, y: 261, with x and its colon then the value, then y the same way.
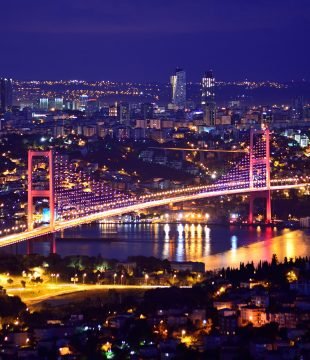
x: 75, y: 197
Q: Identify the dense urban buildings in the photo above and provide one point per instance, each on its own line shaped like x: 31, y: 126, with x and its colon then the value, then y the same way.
x: 146, y: 213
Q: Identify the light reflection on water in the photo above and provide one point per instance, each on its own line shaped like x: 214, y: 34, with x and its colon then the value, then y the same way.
x: 216, y: 246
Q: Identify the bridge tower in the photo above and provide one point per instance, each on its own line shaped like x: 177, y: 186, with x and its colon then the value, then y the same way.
x: 45, y: 193
x: 261, y: 159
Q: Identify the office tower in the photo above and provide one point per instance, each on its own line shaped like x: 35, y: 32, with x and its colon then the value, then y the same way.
x: 147, y: 111
x: 297, y: 109
x: 83, y: 102
x: 178, y: 84
x: 208, y: 88
x: 59, y: 103
x: 208, y: 98
x: 43, y: 104
x: 92, y: 106
x: 6, y: 98
x: 113, y: 110
x: 123, y: 113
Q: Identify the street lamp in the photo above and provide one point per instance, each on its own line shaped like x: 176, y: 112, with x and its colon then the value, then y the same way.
x: 174, y: 277
x: 84, y: 276
x: 57, y: 276
x: 146, y: 278
x: 122, y: 279
x: 114, y: 278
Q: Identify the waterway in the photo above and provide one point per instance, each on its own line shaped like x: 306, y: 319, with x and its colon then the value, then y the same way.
x: 216, y: 246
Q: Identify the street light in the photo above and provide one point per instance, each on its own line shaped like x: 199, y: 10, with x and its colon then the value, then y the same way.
x: 57, y: 276
x: 114, y: 277
x: 84, y: 276
x: 146, y: 278
x: 174, y: 277
x: 122, y: 279
x: 74, y: 279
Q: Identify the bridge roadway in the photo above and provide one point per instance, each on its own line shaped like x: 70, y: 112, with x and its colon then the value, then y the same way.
x: 61, y: 225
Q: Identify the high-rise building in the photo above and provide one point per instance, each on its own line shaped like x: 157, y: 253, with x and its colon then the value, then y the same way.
x: 208, y: 88
x: 297, y: 109
x: 147, y: 111
x: 59, y: 103
x: 6, y: 98
x: 43, y: 104
x: 178, y: 84
x: 123, y: 113
x: 92, y: 106
x: 208, y: 98
x: 83, y: 102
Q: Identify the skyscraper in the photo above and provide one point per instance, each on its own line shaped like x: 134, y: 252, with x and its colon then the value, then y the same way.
x: 58, y: 103
x: 43, y: 104
x: 123, y: 113
x: 83, y: 102
x: 297, y: 109
x: 178, y: 84
x: 5, y: 94
x: 208, y: 87
x: 208, y: 98
x: 147, y: 111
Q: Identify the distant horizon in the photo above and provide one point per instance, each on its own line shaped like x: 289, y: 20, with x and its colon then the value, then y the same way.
x: 154, y: 81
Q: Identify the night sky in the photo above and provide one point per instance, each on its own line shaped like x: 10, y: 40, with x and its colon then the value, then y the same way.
x: 144, y: 40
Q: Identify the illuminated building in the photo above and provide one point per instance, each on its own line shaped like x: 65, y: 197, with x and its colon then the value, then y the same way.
x: 43, y: 104
x: 253, y: 314
x: 208, y: 87
x: 178, y: 84
x: 59, y: 103
x: 92, y: 105
x: 208, y: 98
x: 297, y: 110
x: 113, y: 111
x: 6, y: 98
x: 89, y: 131
x: 123, y: 113
x: 83, y: 102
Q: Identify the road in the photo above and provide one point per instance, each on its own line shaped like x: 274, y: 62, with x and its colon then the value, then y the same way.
x: 35, y: 295
x: 61, y: 225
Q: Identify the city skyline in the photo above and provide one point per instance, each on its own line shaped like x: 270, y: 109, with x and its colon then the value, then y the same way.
x: 144, y: 42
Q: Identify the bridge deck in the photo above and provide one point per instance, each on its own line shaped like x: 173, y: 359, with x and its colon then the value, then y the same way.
x: 60, y: 225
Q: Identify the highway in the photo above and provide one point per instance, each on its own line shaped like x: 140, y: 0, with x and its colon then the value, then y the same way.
x: 174, y: 198
x: 54, y: 291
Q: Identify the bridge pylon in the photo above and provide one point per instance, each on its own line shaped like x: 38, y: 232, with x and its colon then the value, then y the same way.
x: 45, y: 193
x: 260, y: 162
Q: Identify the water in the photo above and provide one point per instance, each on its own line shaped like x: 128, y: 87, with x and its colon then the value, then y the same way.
x: 216, y: 246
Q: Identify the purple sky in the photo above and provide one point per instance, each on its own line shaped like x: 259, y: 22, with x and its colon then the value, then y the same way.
x: 144, y: 40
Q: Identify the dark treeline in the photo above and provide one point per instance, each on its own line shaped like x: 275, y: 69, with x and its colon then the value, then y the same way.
x: 275, y: 272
